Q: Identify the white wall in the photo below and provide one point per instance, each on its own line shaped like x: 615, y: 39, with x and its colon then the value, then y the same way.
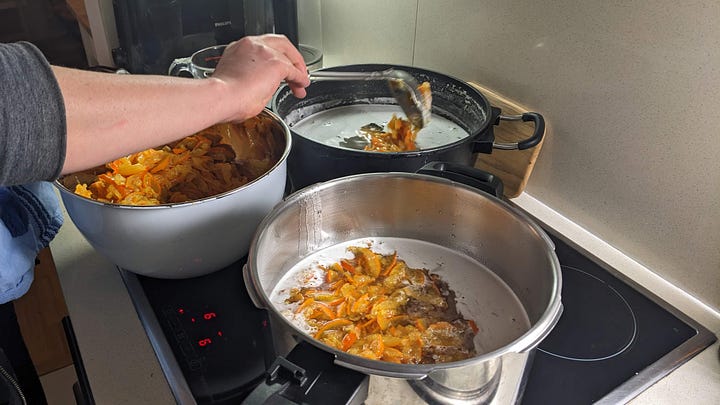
x: 630, y: 90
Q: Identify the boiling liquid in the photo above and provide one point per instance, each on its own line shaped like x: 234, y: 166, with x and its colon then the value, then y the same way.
x: 481, y: 295
x: 331, y: 127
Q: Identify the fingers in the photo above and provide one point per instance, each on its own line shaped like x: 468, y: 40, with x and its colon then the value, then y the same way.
x: 297, y: 77
x: 255, y: 66
x: 282, y: 44
x: 298, y: 91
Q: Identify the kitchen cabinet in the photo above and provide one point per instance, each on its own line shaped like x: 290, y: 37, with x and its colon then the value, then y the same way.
x: 40, y: 313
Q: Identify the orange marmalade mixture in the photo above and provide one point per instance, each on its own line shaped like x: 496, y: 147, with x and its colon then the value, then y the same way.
x: 198, y: 166
x: 377, y: 307
x: 400, y: 135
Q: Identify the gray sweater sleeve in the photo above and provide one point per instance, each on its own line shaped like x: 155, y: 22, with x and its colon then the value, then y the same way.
x: 32, y: 117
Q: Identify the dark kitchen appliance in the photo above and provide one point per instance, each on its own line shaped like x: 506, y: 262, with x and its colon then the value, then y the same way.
x: 152, y: 33
x: 614, y: 339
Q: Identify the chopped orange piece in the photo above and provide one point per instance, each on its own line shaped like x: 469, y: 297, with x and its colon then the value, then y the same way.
x: 347, y: 266
x: 391, y: 265
x: 421, y: 326
x: 335, y: 323
x: 393, y: 355
x: 368, y: 323
x: 308, y: 302
x: 327, y: 311
x: 349, y: 339
x: 379, y: 346
x: 473, y: 326
x: 361, y: 304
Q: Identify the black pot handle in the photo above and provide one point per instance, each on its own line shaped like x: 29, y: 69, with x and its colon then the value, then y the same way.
x: 308, y: 375
x: 528, y: 143
x: 468, y: 175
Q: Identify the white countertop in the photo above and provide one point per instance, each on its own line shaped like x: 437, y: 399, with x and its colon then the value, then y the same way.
x: 122, y: 367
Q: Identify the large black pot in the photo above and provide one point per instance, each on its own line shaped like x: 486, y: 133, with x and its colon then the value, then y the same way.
x: 311, y: 161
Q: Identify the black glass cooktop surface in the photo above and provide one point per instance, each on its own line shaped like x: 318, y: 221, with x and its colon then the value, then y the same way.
x: 607, y: 339
x: 613, y: 340
x: 216, y: 335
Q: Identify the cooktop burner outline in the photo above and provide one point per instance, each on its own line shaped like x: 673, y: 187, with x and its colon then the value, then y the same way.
x: 619, y: 379
x: 618, y: 309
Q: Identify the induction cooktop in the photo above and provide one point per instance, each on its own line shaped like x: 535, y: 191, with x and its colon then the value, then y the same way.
x: 613, y: 341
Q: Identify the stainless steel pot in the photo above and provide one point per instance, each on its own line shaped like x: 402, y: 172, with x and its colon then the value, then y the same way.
x: 500, y: 264
x: 181, y: 240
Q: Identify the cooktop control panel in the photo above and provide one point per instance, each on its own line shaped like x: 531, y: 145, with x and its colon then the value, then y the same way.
x: 219, y: 339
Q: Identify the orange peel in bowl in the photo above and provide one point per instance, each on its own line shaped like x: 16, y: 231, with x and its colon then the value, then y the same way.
x: 198, y: 166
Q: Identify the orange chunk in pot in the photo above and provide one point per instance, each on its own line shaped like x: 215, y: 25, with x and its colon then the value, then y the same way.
x: 382, y: 309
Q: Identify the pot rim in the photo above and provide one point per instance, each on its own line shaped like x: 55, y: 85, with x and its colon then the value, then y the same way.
x: 390, y: 155
x: 524, y: 343
x: 286, y: 152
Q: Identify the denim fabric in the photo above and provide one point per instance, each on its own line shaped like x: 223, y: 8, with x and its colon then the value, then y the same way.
x: 30, y: 217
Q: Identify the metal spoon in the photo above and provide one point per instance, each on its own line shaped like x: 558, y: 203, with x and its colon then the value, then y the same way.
x: 362, y: 139
x: 403, y: 86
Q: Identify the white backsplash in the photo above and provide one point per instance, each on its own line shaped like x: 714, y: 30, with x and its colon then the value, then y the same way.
x: 629, y: 89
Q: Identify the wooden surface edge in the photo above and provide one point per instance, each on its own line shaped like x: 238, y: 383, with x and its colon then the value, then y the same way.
x: 39, y: 313
x: 78, y: 9
x: 514, y: 167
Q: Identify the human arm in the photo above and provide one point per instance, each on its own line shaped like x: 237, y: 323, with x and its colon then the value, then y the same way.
x: 109, y: 116
x: 32, y: 117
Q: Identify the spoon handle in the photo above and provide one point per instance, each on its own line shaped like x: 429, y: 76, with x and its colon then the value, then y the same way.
x: 325, y: 75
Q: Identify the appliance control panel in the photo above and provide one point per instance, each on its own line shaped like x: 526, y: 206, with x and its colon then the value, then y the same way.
x: 219, y: 340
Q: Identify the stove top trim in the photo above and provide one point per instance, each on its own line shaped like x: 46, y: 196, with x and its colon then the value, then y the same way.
x: 168, y: 363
